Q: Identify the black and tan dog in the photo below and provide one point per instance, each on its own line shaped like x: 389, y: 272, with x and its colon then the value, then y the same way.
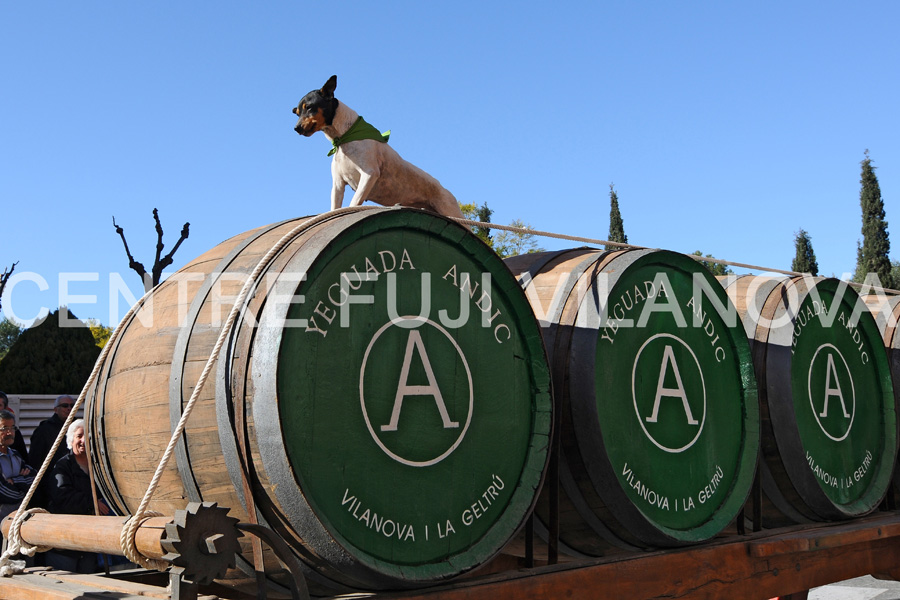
x: 364, y: 160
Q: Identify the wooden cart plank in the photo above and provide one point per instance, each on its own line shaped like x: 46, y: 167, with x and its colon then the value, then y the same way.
x: 46, y: 584
x: 752, y: 567
x: 60, y: 586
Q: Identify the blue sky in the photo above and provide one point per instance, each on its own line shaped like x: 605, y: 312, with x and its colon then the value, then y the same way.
x: 725, y: 127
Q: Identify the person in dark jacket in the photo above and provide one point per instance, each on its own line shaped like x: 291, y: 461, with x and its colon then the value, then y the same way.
x: 42, y: 440
x: 19, y: 445
x: 15, y: 475
x: 70, y: 494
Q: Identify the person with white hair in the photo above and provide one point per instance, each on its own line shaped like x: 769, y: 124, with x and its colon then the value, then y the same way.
x: 70, y: 493
x: 42, y: 440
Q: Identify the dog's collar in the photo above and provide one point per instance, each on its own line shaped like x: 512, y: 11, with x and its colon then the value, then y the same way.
x: 359, y: 131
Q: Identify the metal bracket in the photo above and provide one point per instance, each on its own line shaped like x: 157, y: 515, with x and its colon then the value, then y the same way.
x: 299, y: 589
x: 179, y: 589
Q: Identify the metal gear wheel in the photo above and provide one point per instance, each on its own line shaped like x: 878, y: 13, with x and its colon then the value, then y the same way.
x: 201, y: 542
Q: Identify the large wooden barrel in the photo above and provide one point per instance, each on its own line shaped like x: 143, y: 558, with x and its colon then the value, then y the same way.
x: 383, y: 402
x: 659, y: 417
x: 828, y: 419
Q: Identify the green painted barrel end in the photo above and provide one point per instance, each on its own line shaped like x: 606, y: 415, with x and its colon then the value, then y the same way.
x: 674, y: 374
x: 414, y: 398
x: 831, y: 398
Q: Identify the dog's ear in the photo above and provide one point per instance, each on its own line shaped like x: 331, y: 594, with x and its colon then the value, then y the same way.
x: 296, y: 111
x: 330, y: 85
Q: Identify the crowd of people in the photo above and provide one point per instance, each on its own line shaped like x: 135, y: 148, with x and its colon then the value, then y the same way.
x: 65, y: 488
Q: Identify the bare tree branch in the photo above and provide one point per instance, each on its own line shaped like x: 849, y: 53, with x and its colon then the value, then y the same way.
x: 159, y: 243
x: 7, y: 273
x: 133, y: 264
x: 161, y: 262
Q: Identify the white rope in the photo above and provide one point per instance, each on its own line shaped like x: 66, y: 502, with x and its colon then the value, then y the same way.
x: 572, y: 238
x: 11, y: 567
x: 15, y: 543
x: 131, y: 526
x: 128, y: 543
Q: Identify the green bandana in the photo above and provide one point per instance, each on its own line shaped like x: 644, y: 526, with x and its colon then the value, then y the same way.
x: 359, y: 131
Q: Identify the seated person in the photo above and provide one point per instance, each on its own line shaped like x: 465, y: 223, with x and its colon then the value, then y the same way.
x: 70, y: 493
x: 19, y: 445
x: 15, y: 475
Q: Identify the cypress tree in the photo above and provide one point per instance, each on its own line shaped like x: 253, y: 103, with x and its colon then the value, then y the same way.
x: 804, y: 259
x: 616, y: 226
x: 50, y: 358
x: 872, y: 255
x: 483, y: 214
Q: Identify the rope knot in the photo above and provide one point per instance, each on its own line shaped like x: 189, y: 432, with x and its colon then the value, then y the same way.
x: 16, y: 545
x: 129, y: 546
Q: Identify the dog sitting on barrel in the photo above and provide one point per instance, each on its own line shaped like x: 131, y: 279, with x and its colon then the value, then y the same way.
x: 364, y: 161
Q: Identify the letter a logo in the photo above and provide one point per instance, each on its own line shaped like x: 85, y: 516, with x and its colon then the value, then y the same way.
x: 404, y: 389
x: 397, y: 353
x: 671, y: 363
x: 676, y: 392
x: 833, y: 391
x: 830, y: 376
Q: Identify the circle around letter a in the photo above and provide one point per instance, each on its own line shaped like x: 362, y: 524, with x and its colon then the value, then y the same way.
x: 684, y: 424
x: 416, y: 353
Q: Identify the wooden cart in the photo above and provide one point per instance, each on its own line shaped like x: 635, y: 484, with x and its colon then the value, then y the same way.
x: 784, y: 562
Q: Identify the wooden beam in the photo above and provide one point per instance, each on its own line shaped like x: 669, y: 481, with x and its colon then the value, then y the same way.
x: 90, y: 534
x: 782, y: 562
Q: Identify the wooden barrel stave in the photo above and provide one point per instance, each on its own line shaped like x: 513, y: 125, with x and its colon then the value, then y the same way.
x: 583, y: 514
x: 237, y: 372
